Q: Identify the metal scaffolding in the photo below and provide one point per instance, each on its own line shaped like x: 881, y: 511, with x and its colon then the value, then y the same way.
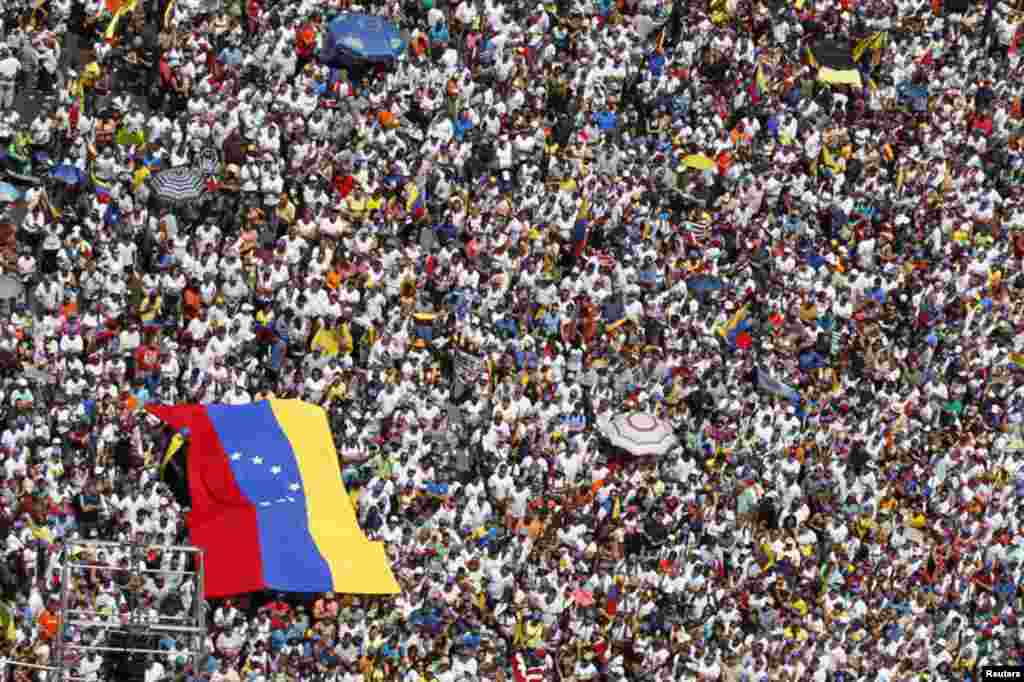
x: 138, y: 631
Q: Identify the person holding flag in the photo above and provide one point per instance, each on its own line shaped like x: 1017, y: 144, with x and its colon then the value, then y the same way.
x: 174, y: 467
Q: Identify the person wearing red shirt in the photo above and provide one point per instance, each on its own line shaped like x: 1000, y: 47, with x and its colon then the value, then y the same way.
x: 305, y: 44
x: 277, y: 608
x: 147, y: 364
x: 48, y: 621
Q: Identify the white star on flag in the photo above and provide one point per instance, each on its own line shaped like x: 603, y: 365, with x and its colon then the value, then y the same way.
x: 264, y: 504
x: 236, y: 456
x: 291, y: 499
x: 282, y: 500
x: 275, y: 470
x: 257, y: 460
x: 295, y: 487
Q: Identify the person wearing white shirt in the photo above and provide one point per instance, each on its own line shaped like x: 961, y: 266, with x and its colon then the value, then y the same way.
x: 155, y: 671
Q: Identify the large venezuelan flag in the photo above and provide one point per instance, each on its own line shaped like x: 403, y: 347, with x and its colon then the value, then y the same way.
x: 269, y: 508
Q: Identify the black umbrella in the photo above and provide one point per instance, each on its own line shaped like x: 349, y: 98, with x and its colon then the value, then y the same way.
x: 179, y: 185
x: 834, y: 54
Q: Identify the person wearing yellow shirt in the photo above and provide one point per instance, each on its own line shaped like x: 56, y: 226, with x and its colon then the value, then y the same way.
x: 795, y: 632
x: 285, y: 210
x: 769, y: 556
x: 375, y: 202
x: 150, y: 306
x: 91, y: 75
x: 338, y: 392
x: 534, y: 632
x: 333, y: 339
x: 326, y: 340
x: 355, y: 205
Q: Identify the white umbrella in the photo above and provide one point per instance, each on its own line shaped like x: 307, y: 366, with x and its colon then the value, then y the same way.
x: 639, y: 433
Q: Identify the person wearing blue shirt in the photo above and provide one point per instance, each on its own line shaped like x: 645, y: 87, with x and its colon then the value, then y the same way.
x: 307, y: 646
x: 649, y: 275
x: 526, y: 359
x: 462, y: 125
x: 141, y: 393
x: 439, y: 34
x: 791, y: 223
x: 447, y: 232
x: 877, y: 293
x: 605, y: 120
x: 1005, y: 590
x: 391, y: 650
x: 329, y: 658
x: 550, y: 323
x: 656, y: 63
x: 507, y: 328
x: 613, y: 311
x: 278, y: 639
x: 280, y: 339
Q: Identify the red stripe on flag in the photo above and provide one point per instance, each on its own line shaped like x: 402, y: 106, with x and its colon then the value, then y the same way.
x: 224, y: 521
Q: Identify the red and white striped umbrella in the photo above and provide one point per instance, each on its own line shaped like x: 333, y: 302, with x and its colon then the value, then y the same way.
x: 639, y: 433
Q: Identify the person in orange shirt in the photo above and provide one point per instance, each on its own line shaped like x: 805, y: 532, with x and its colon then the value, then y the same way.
x: 70, y: 308
x: 48, y: 621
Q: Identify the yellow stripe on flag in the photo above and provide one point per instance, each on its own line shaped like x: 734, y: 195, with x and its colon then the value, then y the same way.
x: 872, y: 42
x: 357, y: 565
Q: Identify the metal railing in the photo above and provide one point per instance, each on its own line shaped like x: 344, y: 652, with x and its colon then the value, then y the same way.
x: 56, y: 673
x: 193, y: 624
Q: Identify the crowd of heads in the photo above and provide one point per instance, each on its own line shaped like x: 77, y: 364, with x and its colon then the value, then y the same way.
x: 536, y: 219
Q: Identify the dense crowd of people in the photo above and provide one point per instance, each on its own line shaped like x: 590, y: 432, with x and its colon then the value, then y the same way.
x: 538, y: 217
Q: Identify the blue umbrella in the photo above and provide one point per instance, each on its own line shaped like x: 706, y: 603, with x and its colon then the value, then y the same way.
x: 68, y: 174
x: 360, y: 38
x: 8, y: 192
x: 703, y: 283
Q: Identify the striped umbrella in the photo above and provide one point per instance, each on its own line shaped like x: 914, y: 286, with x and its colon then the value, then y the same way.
x: 179, y: 185
x: 639, y: 433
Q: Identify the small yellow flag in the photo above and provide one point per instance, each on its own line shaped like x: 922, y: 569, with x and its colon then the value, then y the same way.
x: 125, y: 9
x: 872, y: 42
